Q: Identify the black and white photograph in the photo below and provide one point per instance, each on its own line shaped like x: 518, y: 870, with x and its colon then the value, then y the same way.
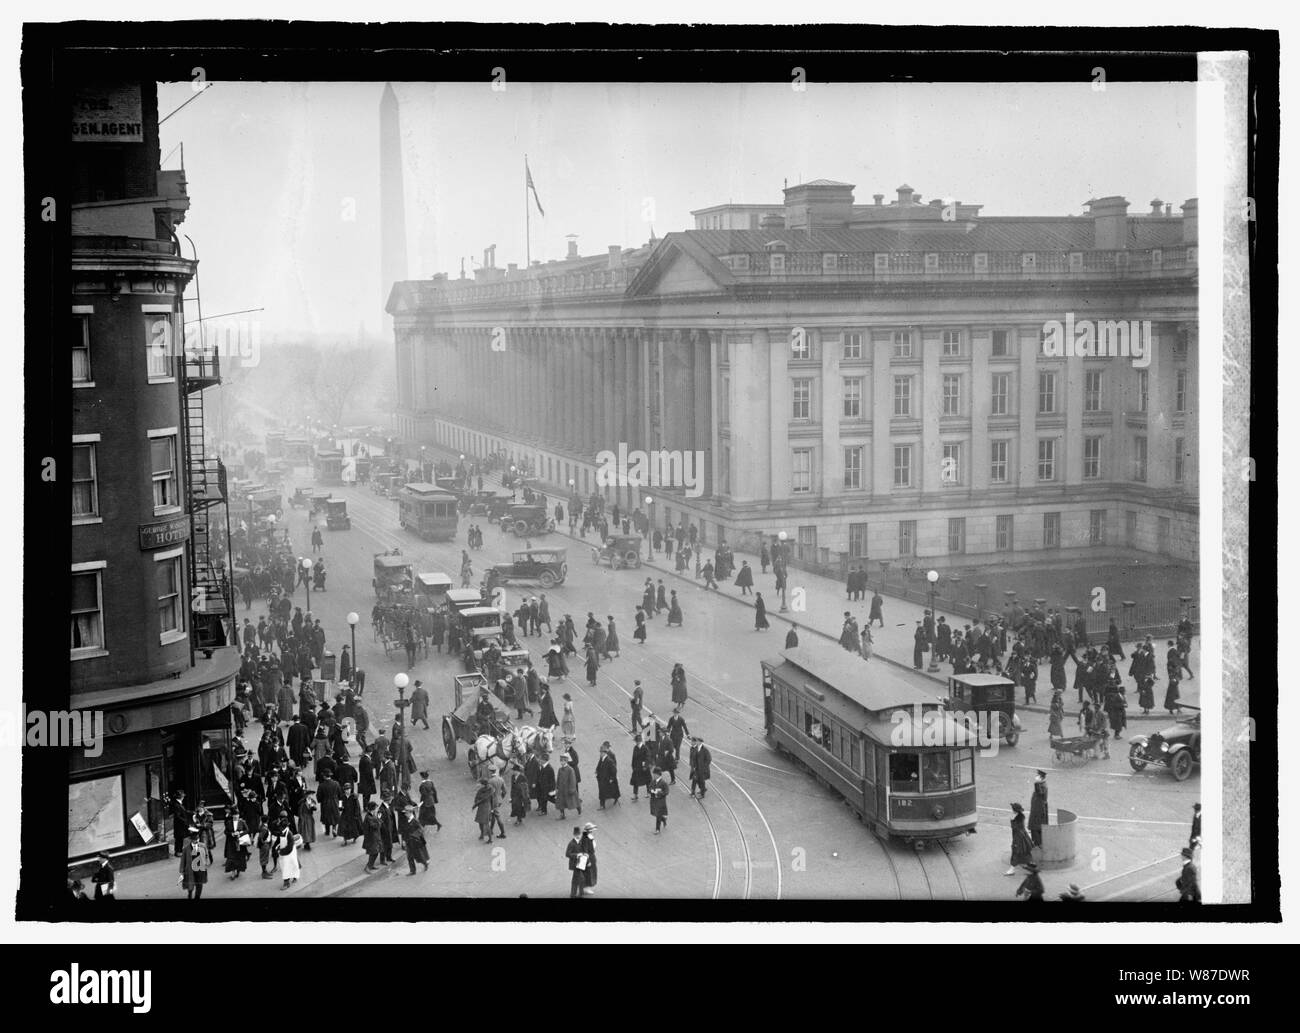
x: 815, y: 484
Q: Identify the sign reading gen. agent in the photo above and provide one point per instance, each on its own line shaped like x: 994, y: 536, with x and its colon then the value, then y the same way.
x: 107, y: 114
x: 165, y: 532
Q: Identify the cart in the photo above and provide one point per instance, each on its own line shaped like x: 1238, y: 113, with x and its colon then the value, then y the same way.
x: 1080, y: 747
x: 461, y: 724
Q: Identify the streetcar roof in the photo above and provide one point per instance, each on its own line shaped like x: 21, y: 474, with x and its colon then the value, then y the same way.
x: 873, y: 687
x: 981, y: 679
x: 424, y: 488
x: 392, y: 562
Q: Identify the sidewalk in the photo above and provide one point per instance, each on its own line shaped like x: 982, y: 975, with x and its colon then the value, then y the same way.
x: 825, y: 601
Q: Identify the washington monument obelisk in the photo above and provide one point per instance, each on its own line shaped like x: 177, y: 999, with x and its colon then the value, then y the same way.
x: 392, y: 207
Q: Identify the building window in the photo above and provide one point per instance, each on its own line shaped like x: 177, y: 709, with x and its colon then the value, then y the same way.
x: 1180, y: 464
x: 853, y: 398
x: 1047, y: 459
x: 951, y: 343
x: 998, y: 464
x: 1001, y: 393
x: 85, y: 488
x: 1092, y: 390
x: 853, y: 467
x: 87, y: 610
x: 162, y: 453
x: 1139, y: 458
x: 1131, y: 528
x: 800, y: 342
x: 1051, y: 530
x: 777, y: 261
x: 807, y: 537
x: 81, y: 349
x: 853, y: 346
x: 1180, y: 391
x: 158, y: 345
x: 1091, y: 458
x: 952, y: 394
x: 950, y: 470
x: 1001, y: 344
x: 857, y: 541
x: 802, y: 395
x: 902, y: 344
x: 801, y: 471
x: 1144, y: 388
x: 902, y: 396
x: 956, y: 534
x: 1046, y: 392
x: 1097, y: 527
x: 907, y: 538
x: 1005, y: 538
x: 902, y: 466
x: 170, y: 585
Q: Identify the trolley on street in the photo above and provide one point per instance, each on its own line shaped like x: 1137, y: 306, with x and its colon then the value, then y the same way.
x: 428, y: 511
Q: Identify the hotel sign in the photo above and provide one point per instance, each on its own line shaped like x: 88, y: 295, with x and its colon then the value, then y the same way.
x: 165, y: 532
x: 107, y: 114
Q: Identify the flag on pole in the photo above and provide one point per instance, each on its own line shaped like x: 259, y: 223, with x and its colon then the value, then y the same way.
x: 533, y: 187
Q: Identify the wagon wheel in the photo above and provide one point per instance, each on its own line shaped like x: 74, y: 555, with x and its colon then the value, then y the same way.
x: 632, y: 559
x: 521, y: 528
x: 547, y: 579
x: 1182, y: 765
x: 448, y: 739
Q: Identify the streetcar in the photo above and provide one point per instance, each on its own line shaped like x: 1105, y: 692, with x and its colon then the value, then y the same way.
x: 428, y: 511
x: 878, y: 737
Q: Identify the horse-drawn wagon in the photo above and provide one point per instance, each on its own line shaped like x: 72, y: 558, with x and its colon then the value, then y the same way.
x: 478, y: 721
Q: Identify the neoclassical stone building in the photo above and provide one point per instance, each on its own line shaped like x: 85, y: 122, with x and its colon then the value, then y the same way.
x: 871, y: 379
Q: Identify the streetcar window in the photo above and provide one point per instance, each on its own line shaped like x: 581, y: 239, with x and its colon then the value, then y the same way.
x: 963, y: 766
x: 905, y: 772
x: 869, y: 760
x: 935, y: 772
x: 855, y: 759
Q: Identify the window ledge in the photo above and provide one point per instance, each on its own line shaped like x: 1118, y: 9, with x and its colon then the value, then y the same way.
x: 168, y: 510
x: 87, y: 654
x: 82, y: 383
x: 172, y: 637
x: 82, y: 521
x: 162, y: 380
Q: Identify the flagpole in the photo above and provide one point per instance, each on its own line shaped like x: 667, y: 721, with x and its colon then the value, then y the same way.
x: 528, y: 236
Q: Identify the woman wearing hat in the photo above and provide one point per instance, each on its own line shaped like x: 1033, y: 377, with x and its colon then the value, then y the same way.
x: 1032, y: 886
x: 1038, y: 816
x: 351, y: 826
x: 638, y: 699
x: 760, y: 613
x: 674, y: 611
x: 307, y: 820
x: 1022, y: 847
x: 607, y: 775
x: 678, y: 681
x: 593, y: 665
x: 640, y: 766
x: 611, y: 638
x: 639, y: 633
x: 238, y: 843
x: 659, y: 799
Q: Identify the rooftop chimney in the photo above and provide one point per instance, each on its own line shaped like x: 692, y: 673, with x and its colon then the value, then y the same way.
x: 771, y: 221
x: 512, y: 268
x: 1109, y: 223
x: 615, y: 256
x: 1189, y: 221
x: 1157, y: 206
x: 573, y: 246
x: 878, y: 198
x: 1169, y: 209
x: 905, y: 194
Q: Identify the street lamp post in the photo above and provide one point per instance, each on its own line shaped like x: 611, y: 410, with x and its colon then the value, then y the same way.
x: 650, y: 521
x: 400, y: 681
x: 353, y: 618
x: 933, y: 578
x: 306, y: 580
x: 781, y: 546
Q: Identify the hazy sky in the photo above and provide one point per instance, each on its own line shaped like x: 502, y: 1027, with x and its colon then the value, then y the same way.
x: 276, y: 169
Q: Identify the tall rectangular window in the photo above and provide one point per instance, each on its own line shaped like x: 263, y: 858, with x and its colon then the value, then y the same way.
x: 907, y: 538
x: 902, y: 396
x: 1051, y: 530
x: 902, y: 344
x: 1046, y: 392
x: 162, y: 454
x: 902, y: 466
x: 81, y: 349
x: 1180, y: 460
x: 1144, y: 390
x: 170, y: 583
x: 853, y: 467
x: 1001, y: 344
x: 1047, y: 459
x: 1130, y: 528
x: 1001, y: 393
x: 853, y: 398
x: 87, y: 611
x: 1180, y: 391
x: 85, y: 488
x: 1005, y: 538
x: 802, y: 395
x: 1092, y: 390
x: 1139, y: 458
x: 952, y: 394
x: 801, y: 471
x: 950, y: 469
x: 956, y: 534
x: 951, y: 340
x: 1091, y: 458
x: 159, y: 345
x: 853, y: 345
x: 857, y: 541
x: 998, y: 461
x: 800, y: 341
x: 806, y: 535
x: 1096, y: 527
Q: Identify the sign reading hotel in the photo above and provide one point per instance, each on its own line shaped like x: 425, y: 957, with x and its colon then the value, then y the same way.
x: 107, y: 114
x: 165, y: 532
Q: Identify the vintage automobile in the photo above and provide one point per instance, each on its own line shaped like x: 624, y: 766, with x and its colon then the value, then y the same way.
x: 510, y: 658
x: 392, y: 574
x: 622, y: 551
x: 318, y: 501
x: 459, y: 599
x: 336, y: 515
x: 991, y: 697
x: 301, y: 497
x: 546, y: 567
x: 266, y: 502
x: 528, y: 520
x: 1177, y: 747
x: 431, y: 588
x: 492, y: 505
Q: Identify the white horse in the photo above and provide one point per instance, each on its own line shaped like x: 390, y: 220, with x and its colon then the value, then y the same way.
x: 515, y: 745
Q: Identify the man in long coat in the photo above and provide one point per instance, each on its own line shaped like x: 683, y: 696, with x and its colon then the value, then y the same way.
x: 640, y: 767
x: 1038, y: 815
x: 330, y: 796
x: 299, y: 743
x: 420, y: 705
x: 700, y: 760
x: 566, y: 788
x: 544, y: 785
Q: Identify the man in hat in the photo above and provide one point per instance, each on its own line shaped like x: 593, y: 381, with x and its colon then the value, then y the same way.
x: 1038, y: 815
x: 700, y: 761
x: 1195, y: 839
x: 1188, y: 882
x: 578, y: 861
x: 588, y: 846
x: 1032, y: 886
x: 105, y: 880
x: 918, y: 645
x: 416, y: 847
x: 387, y: 828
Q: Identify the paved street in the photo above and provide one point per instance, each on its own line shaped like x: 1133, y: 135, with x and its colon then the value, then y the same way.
x: 767, y: 830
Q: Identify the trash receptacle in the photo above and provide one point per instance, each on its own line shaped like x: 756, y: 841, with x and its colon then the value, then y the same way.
x: 329, y: 666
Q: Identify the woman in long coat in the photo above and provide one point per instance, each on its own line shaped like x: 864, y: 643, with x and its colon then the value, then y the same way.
x: 648, y: 598
x: 236, y: 854
x: 518, y: 794
x: 607, y: 775
x: 307, y: 820
x: 674, y: 611
x: 1058, y: 668
x: 638, y: 698
x: 760, y: 613
x: 320, y: 747
x: 546, y: 709
x: 611, y: 637
x: 285, y: 702
x: 659, y: 800
x: 868, y: 643
x: 1113, y: 646
x: 744, y: 578
x: 417, y: 848
x: 1038, y: 814
x: 1022, y: 847
x: 366, y: 776
x: 1055, y: 715
x: 569, y: 724
x: 482, y: 807
x: 678, y: 681
x: 639, y: 634
x: 593, y: 665
x: 1116, y: 712
x: 1146, y: 692
x: 350, y: 824
x: 640, y: 767
x: 566, y: 789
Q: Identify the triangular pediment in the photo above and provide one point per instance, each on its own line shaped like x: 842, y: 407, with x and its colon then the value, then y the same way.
x: 680, y: 266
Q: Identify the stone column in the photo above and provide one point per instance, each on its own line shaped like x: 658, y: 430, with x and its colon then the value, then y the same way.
x: 704, y: 439
x: 618, y: 385
x: 751, y: 442
x: 605, y: 389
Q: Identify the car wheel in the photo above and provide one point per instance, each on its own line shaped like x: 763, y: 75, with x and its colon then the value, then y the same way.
x: 1182, y: 765
x: 521, y: 528
x: 547, y: 579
